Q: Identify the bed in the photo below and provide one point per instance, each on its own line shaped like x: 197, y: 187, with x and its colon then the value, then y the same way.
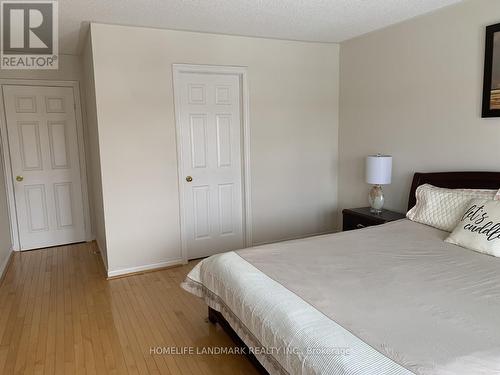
x: 391, y: 299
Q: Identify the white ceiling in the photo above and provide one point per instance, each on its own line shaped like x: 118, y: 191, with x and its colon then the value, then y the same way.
x: 307, y: 20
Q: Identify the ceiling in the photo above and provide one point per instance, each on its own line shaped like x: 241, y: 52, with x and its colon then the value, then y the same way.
x: 306, y: 20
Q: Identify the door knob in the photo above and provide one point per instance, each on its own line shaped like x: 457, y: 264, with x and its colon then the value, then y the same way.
x: 19, y: 178
x: 189, y: 178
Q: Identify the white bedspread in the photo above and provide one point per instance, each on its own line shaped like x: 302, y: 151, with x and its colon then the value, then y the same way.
x: 378, y: 309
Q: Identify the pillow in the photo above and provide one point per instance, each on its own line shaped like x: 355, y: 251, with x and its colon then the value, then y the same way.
x: 479, y: 227
x: 443, y: 208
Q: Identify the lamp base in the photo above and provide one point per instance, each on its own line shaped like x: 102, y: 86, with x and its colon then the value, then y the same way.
x: 376, y: 199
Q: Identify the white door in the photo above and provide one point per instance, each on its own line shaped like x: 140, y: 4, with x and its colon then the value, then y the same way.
x: 42, y: 136
x: 208, y: 110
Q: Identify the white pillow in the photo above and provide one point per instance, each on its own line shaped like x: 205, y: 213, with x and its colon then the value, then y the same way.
x: 443, y: 208
x: 479, y: 227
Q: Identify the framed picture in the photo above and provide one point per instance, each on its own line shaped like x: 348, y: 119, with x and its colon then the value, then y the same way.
x: 491, y: 88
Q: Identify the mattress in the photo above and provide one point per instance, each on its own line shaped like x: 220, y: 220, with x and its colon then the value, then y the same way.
x: 391, y: 299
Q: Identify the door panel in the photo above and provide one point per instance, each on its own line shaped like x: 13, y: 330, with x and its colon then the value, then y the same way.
x: 226, y: 197
x: 36, y: 204
x: 58, y: 145
x: 64, y: 211
x: 209, y: 115
x: 198, y: 141
x: 223, y: 140
x: 201, y: 211
x: 42, y: 137
x: 30, y: 145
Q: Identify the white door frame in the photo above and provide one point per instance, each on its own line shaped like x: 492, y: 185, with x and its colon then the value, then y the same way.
x: 9, y: 184
x: 241, y: 72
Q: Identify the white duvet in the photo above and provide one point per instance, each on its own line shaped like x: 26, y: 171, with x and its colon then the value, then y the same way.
x: 383, y: 300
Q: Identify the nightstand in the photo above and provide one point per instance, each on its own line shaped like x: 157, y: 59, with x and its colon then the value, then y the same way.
x: 357, y: 218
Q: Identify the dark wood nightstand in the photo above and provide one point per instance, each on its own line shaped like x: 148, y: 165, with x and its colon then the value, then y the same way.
x: 357, y: 218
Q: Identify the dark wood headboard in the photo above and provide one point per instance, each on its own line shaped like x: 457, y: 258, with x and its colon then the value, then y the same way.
x: 454, y: 180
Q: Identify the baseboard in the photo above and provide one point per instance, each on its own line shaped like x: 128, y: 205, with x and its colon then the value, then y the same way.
x: 5, y: 266
x: 296, y: 237
x: 142, y: 269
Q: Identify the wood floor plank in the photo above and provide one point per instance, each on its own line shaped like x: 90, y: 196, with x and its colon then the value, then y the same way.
x: 59, y: 315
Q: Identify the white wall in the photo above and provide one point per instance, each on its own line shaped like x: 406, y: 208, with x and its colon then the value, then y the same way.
x: 69, y: 69
x: 5, y: 237
x: 294, y: 123
x: 92, y: 150
x: 414, y: 90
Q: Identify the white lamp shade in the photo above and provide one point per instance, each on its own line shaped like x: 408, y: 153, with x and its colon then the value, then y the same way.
x: 379, y: 169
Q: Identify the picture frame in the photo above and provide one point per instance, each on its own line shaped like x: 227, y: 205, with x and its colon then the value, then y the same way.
x: 491, y: 85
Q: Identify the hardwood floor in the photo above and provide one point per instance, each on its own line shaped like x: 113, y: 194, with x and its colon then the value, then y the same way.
x: 59, y: 315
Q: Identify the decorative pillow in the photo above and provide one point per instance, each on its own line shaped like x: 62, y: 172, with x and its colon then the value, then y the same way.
x: 443, y: 208
x: 479, y: 227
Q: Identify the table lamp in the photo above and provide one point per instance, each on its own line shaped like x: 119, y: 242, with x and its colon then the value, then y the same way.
x: 378, y: 173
